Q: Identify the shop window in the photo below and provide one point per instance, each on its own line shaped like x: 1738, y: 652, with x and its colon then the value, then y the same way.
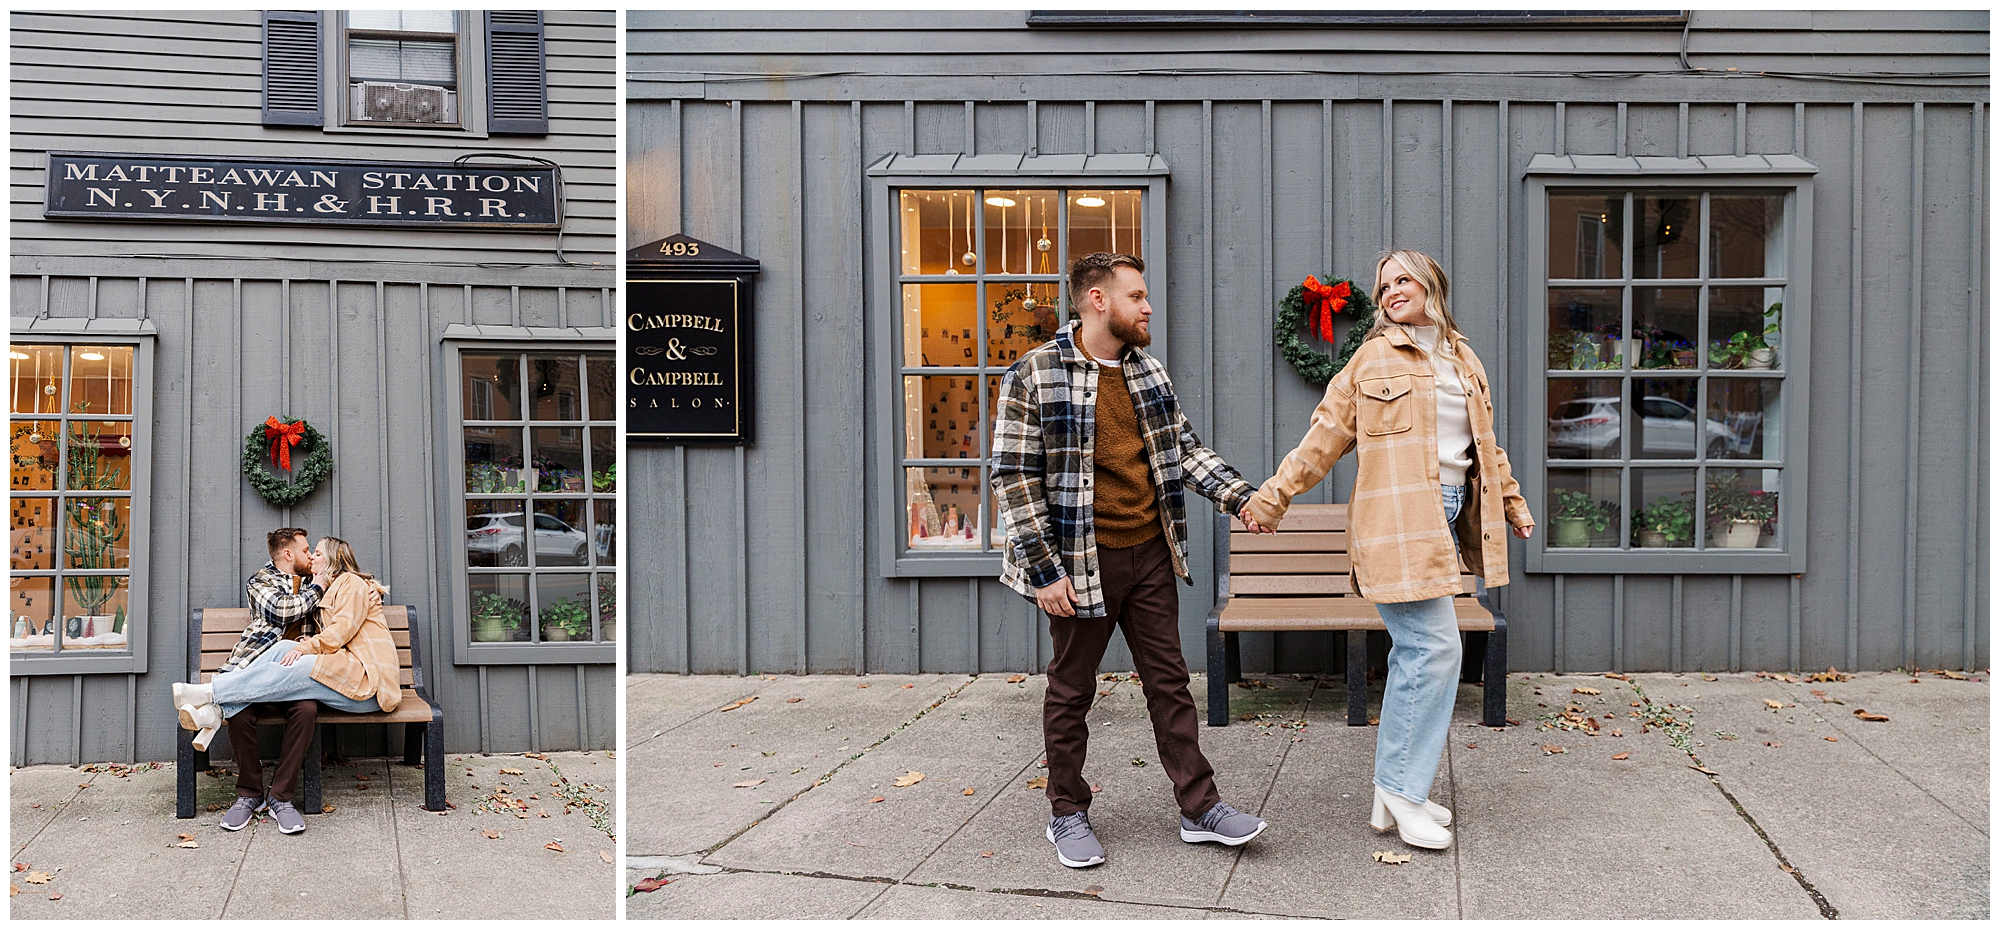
x: 78, y: 477
x: 982, y: 280
x: 407, y: 69
x: 538, y: 469
x: 1671, y: 327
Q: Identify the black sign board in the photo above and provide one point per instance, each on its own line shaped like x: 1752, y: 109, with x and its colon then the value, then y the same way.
x: 90, y: 185
x: 688, y: 342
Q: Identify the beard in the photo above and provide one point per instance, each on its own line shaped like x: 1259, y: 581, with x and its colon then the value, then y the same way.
x: 1128, y: 331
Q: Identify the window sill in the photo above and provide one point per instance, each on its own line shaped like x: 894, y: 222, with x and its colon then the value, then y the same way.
x: 535, y: 653
x: 71, y: 663
x: 455, y: 132
x: 941, y: 565
x: 1637, y: 561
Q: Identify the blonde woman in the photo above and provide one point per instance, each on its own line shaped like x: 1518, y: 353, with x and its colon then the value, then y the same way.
x: 1432, y: 486
x: 349, y: 666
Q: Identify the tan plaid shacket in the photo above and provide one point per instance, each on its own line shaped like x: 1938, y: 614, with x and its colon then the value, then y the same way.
x: 1383, y: 408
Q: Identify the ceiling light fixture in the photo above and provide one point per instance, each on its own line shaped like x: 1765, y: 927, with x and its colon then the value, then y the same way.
x: 1090, y: 200
x: 91, y: 355
x: 998, y: 201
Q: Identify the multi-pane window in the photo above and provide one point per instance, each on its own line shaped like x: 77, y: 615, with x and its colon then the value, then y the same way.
x: 982, y: 280
x: 402, y: 66
x: 1666, y: 368
x: 540, y: 462
x: 70, y: 498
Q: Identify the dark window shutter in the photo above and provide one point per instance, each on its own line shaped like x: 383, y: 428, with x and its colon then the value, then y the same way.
x: 517, y: 87
x: 291, y: 69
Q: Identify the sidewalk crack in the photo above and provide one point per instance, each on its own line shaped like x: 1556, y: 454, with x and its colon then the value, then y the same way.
x: 760, y: 689
x: 1305, y: 708
x: 55, y: 812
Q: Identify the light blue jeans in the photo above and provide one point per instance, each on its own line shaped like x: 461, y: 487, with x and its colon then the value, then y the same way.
x: 264, y: 680
x: 1422, y: 687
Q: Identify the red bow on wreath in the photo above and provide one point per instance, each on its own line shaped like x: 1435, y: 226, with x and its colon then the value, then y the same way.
x: 1322, y: 302
x: 282, y: 437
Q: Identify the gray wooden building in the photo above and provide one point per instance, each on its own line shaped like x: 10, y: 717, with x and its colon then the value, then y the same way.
x: 455, y: 353
x: 1633, y: 208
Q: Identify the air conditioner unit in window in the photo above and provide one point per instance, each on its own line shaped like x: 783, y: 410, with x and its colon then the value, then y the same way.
x: 385, y: 102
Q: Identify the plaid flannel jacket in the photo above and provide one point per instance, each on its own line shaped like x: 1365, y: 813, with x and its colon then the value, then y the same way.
x: 1383, y: 408
x: 1043, y: 443
x: 272, y: 600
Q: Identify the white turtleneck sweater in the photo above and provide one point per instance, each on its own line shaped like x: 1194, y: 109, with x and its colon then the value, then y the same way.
x: 1454, y: 422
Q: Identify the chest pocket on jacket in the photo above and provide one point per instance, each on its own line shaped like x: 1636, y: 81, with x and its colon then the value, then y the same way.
x: 1384, y: 405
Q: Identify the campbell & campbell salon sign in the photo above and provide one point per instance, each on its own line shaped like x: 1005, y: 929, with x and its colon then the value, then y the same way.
x: 84, y: 185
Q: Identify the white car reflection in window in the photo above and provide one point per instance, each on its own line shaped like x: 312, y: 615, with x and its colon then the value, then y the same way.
x: 1591, y: 426
x: 496, y: 539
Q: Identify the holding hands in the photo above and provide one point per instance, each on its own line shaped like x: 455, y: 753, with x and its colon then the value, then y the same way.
x: 1250, y: 523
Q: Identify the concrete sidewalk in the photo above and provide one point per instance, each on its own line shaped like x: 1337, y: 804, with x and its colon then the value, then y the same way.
x: 786, y: 806
x: 107, y: 842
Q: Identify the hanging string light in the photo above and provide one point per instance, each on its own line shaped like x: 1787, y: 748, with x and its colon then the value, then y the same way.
x: 950, y: 233
x: 970, y: 257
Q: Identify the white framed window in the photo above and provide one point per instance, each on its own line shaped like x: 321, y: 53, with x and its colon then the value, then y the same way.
x: 80, y: 423
x: 977, y: 277
x: 537, y: 467
x: 467, y: 72
x: 1672, y: 319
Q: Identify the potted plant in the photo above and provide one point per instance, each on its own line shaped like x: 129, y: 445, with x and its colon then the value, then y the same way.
x: 92, y: 528
x: 1750, y: 350
x: 1736, y: 515
x: 1667, y: 522
x: 494, y: 617
x: 1579, y: 351
x: 565, y: 620
x: 605, y: 480
x: 1577, y: 515
x: 607, y: 606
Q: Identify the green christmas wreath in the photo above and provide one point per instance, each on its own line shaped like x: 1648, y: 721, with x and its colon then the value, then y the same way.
x: 278, y: 444
x: 1313, y: 304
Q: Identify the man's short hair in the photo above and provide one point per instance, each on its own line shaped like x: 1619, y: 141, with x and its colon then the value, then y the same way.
x: 1096, y: 270
x: 282, y: 537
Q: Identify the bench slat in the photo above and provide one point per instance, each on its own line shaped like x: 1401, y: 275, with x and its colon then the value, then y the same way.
x: 233, y: 620
x: 1289, y: 563
x: 1329, y: 613
x: 1331, y: 585
x: 1309, y: 518
x: 1287, y: 541
x: 223, y: 642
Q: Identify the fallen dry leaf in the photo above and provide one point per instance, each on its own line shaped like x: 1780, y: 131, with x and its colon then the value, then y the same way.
x: 1550, y: 750
x: 968, y: 792
x: 862, y: 685
x: 55, y: 896
x: 1095, y: 787
x: 512, y: 772
x: 1831, y: 739
x: 793, y: 700
x: 1585, y: 691
x: 746, y: 701
x: 190, y: 844
x: 748, y: 784
x: 986, y: 854
x: 907, y: 779
x: 327, y: 808
x: 605, y: 855
x: 13, y: 889
x: 183, y: 837
x: 877, y: 799
x: 1621, y: 757
x: 652, y: 884
x: 37, y: 878
x: 1948, y: 673
x: 908, y: 687
x: 20, y: 867
x: 1472, y: 745
x: 555, y: 846
x: 1094, y: 890
x: 1774, y: 705
x: 1389, y: 858
x: 1038, y: 782
x: 1016, y: 679
x: 489, y: 834
x: 1875, y: 718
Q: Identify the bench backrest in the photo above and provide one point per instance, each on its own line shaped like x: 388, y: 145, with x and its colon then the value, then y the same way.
x: 1306, y: 557
x: 219, y: 629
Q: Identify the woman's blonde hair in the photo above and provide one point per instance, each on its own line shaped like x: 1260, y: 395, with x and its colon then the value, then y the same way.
x: 1437, y: 296
x: 341, y: 556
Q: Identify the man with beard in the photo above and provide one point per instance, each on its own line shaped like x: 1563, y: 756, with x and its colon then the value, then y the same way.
x: 1091, y: 455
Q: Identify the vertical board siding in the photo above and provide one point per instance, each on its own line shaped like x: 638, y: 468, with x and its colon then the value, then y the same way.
x: 1258, y: 200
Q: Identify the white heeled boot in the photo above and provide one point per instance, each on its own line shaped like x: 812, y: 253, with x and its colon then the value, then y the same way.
x: 1438, y: 812
x: 1412, y: 821
x: 197, y: 695
x: 207, y: 718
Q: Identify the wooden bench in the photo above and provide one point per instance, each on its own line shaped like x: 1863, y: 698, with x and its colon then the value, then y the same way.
x: 214, y: 631
x: 1296, y: 579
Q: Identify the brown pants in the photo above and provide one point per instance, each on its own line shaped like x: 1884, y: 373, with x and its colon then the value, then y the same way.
x: 1140, y: 598
x: 301, y: 719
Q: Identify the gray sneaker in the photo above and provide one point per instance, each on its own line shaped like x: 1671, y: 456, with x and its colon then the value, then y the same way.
x: 238, y: 815
x: 288, y: 817
x: 1222, y: 824
x: 1076, y: 845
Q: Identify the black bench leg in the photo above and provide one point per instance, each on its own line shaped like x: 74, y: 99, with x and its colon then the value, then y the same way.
x: 1218, y: 676
x: 434, y: 766
x: 1232, y: 669
x: 311, y: 794
x: 1357, y: 677
x: 413, y: 743
x: 184, y: 772
x: 1496, y: 675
